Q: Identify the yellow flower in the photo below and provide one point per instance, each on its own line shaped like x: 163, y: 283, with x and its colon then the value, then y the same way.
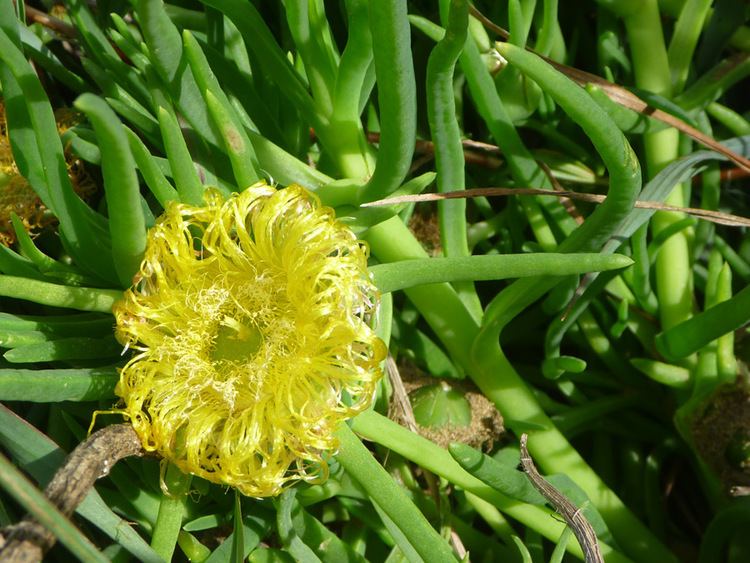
x: 251, y: 318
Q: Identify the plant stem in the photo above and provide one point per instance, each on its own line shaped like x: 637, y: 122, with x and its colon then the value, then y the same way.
x: 446, y: 136
x: 360, y: 464
x: 485, y: 362
x: 410, y: 273
x: 397, y: 98
x: 81, y: 298
x: 171, y: 511
x: 384, y: 431
x: 674, y: 283
x: 391, y: 241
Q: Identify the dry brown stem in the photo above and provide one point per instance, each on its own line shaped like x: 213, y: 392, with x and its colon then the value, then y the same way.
x: 28, y: 540
x: 573, y: 515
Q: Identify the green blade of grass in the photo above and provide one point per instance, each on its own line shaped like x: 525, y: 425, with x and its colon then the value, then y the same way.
x: 504, y: 478
x: 259, y: 39
x: 45, y: 58
x: 283, y: 167
x: 186, y: 178
x: 126, y: 222
x: 149, y: 169
x: 81, y: 298
x: 166, y: 53
x: 254, y: 529
x: 76, y: 348
x: 311, y: 34
x: 238, y: 84
x: 391, y: 41
x: 40, y: 457
x: 238, y: 534
x: 171, y: 512
x: 84, y: 384
x: 358, y: 461
x: 354, y: 80
x: 413, y: 447
x: 67, y: 274
x: 238, y: 146
x: 446, y: 137
x: 690, y: 336
x: 324, y: 544
x: 657, y: 189
x: 47, y: 169
x: 101, y: 50
x: 123, y: 103
x: 34, y: 501
x: 290, y: 540
x: 84, y: 324
x: 394, y: 276
x: 13, y: 264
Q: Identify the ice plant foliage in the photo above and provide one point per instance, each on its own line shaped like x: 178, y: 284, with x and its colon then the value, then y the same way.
x: 17, y: 196
x: 251, y: 321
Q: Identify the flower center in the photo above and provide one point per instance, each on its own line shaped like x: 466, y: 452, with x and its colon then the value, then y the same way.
x: 235, y: 341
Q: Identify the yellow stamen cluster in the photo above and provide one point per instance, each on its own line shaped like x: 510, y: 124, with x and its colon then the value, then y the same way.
x: 251, y: 320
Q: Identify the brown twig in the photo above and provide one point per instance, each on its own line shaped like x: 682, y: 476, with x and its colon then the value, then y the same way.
x: 566, y: 202
x: 488, y: 23
x: 400, y: 408
x: 725, y: 175
x: 50, y: 22
x: 627, y: 99
x: 713, y: 216
x: 28, y: 540
x: 573, y: 516
x: 730, y: 174
x: 475, y: 152
x: 402, y: 411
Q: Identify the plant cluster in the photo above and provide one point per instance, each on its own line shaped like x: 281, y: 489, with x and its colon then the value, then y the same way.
x: 233, y: 249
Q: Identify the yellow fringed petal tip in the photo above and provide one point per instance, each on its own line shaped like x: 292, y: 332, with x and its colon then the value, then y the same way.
x: 251, y: 319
